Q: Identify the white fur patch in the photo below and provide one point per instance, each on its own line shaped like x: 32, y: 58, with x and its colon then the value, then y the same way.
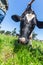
x: 30, y: 17
x: 22, y: 39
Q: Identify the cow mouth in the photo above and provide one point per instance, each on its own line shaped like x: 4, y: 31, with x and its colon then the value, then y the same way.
x: 23, y: 40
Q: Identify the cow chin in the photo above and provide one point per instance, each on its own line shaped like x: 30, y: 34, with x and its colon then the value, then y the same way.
x: 23, y: 40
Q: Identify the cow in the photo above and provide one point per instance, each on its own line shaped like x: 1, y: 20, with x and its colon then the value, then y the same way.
x: 28, y: 21
x: 3, y: 9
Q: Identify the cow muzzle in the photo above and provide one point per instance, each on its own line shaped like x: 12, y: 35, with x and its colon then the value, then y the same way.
x: 23, y: 40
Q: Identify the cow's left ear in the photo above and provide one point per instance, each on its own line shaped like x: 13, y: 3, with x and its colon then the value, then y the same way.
x: 40, y: 24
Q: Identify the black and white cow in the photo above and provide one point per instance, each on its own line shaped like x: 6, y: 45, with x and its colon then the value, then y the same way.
x: 28, y: 21
x: 3, y: 9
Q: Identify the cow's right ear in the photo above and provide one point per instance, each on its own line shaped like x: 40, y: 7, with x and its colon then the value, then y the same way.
x: 16, y: 18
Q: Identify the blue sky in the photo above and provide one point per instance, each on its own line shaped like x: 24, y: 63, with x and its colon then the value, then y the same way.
x: 17, y: 7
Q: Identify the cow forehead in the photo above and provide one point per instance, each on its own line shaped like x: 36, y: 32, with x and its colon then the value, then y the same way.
x: 30, y: 16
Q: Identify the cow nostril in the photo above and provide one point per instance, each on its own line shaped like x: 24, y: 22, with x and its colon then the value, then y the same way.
x: 22, y: 40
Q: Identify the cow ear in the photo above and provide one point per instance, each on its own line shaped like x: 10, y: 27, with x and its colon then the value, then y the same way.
x: 15, y: 18
x: 40, y: 24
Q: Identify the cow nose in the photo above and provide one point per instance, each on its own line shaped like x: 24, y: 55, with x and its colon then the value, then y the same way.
x: 22, y: 40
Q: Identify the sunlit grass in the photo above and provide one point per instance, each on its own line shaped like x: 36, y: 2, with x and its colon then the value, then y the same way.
x: 14, y: 53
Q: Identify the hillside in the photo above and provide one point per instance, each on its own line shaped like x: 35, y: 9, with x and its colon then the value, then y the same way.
x: 12, y: 53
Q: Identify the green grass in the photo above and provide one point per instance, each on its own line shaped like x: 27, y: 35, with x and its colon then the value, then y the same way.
x: 13, y: 53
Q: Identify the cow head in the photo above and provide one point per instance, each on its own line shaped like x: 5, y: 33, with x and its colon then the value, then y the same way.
x: 27, y: 24
x: 26, y: 27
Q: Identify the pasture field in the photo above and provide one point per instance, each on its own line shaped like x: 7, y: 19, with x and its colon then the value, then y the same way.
x: 14, y: 53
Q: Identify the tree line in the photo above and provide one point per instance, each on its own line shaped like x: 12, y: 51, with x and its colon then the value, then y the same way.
x: 8, y: 32
x: 14, y: 33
